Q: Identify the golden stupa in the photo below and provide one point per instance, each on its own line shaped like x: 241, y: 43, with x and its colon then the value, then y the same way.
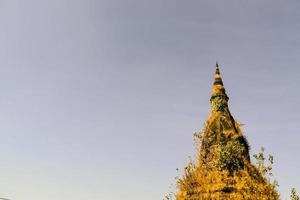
x: 223, y: 169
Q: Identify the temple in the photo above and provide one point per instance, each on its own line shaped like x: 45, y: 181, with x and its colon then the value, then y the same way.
x: 223, y: 169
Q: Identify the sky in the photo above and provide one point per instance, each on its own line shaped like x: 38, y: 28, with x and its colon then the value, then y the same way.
x: 99, y: 99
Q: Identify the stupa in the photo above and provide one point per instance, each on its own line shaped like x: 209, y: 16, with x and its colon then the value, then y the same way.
x: 223, y: 168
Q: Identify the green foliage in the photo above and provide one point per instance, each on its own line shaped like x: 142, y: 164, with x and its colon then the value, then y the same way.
x: 294, y: 195
x: 198, y: 136
x: 230, y: 155
x: 219, y: 103
x: 170, y: 196
x: 265, y: 168
x: 260, y: 162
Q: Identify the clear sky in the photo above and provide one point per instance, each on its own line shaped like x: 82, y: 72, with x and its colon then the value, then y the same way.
x: 99, y: 98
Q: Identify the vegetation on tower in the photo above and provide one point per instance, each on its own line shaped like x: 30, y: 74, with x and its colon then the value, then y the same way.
x: 223, y: 169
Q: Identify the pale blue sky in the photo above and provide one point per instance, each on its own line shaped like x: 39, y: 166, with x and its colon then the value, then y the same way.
x: 99, y: 98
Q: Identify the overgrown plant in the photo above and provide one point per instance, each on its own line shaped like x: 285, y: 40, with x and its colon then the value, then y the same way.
x: 294, y: 195
x: 265, y: 168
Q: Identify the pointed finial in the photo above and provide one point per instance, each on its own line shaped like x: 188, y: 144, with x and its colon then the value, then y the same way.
x: 218, y: 87
x: 217, y: 68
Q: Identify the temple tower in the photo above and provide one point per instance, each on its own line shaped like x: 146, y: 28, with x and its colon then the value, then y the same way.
x: 223, y: 169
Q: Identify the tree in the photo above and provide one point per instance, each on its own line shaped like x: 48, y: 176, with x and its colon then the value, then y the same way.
x: 294, y: 195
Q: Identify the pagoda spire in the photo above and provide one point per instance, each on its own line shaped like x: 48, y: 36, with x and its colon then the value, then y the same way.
x: 223, y: 169
x: 219, y: 98
x: 218, y: 89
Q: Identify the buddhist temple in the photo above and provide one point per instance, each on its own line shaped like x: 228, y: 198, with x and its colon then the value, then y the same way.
x: 223, y: 169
